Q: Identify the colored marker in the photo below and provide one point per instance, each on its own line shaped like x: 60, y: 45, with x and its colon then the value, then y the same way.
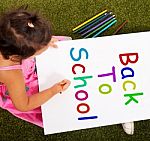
x: 98, y: 25
x: 120, y: 27
x: 107, y: 23
x: 90, y: 20
x: 108, y: 26
x: 97, y: 20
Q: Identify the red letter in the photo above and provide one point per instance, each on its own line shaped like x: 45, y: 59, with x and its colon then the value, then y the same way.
x: 85, y: 106
x: 127, y: 55
x: 83, y: 71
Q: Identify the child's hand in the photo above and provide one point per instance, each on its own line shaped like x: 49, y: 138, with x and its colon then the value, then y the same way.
x: 60, y: 86
x: 52, y: 42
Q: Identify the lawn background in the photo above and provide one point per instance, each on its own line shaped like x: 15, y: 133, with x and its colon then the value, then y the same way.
x: 64, y: 15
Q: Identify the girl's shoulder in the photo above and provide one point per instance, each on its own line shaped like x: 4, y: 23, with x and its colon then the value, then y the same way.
x: 9, y: 72
x: 6, y: 69
x: 27, y: 68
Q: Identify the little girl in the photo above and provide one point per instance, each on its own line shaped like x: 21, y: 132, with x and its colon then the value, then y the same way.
x: 24, y: 35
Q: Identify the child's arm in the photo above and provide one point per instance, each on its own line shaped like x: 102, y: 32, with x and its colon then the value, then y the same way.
x: 14, y: 81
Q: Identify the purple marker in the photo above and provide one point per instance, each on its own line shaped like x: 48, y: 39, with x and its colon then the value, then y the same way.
x: 95, y: 21
x: 98, y: 25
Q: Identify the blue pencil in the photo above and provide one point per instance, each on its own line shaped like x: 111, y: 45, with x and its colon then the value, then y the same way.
x: 101, y: 13
x: 95, y: 21
x: 98, y: 25
x: 99, y: 28
x: 86, y: 25
x: 108, y: 26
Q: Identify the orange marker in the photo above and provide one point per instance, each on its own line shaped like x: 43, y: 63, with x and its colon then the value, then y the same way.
x: 120, y: 27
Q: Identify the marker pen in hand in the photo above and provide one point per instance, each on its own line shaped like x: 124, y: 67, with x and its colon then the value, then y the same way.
x: 62, y: 84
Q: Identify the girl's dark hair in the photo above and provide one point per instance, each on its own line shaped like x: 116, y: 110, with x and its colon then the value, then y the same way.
x: 18, y: 37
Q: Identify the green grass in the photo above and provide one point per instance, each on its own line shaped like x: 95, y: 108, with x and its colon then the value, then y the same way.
x: 64, y: 15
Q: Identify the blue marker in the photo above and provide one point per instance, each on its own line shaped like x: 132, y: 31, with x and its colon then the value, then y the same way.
x: 99, y: 19
x: 98, y: 25
x: 108, y: 26
x: 100, y: 28
x: 86, y: 25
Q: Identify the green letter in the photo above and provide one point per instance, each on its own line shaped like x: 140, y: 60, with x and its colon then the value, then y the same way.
x: 131, y: 96
x: 83, y: 79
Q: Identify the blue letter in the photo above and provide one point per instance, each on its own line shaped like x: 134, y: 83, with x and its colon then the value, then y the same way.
x: 77, y: 59
x: 127, y: 69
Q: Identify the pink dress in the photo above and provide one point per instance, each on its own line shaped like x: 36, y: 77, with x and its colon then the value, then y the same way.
x: 28, y: 67
x: 31, y: 81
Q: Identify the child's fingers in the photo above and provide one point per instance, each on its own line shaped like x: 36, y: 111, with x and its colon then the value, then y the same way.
x: 64, y: 81
x: 52, y: 43
x: 54, y: 40
x: 65, y: 84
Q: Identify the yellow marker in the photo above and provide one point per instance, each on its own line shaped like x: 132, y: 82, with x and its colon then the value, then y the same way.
x: 89, y: 20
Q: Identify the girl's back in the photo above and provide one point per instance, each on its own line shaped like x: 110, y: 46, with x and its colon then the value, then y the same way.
x: 31, y: 85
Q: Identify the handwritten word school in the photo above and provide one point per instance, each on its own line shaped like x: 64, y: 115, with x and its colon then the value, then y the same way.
x: 126, y: 72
